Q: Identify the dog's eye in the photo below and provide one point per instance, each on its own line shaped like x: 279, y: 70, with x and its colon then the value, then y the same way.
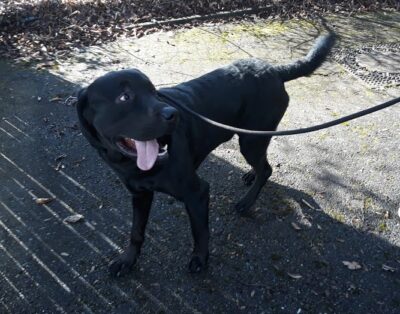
x: 123, y: 97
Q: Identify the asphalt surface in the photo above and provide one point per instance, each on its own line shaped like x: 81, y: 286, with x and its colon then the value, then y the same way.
x: 322, y: 238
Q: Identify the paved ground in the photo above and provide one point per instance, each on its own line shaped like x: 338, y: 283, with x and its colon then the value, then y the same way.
x: 333, y: 197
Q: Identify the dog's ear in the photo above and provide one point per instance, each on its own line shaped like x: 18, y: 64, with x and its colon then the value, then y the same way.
x: 85, y: 115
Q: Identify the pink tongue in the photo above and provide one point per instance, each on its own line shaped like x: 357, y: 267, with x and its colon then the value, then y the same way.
x: 147, y: 153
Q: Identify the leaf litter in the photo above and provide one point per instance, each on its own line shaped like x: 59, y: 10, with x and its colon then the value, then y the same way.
x: 43, y: 31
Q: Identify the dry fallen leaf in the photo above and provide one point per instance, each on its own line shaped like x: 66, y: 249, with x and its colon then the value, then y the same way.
x: 388, y: 268
x: 59, y: 157
x: 307, y: 204
x: 59, y: 166
x: 35, y: 33
x: 352, y: 265
x: 43, y: 200
x: 294, y: 276
x: 73, y: 218
x: 295, y: 226
x: 55, y: 99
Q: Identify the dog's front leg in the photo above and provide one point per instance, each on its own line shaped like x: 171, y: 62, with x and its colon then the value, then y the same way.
x: 141, y: 204
x: 197, y: 202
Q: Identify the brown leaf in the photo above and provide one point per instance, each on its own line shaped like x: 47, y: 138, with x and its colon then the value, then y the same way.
x: 43, y: 200
x: 55, y: 99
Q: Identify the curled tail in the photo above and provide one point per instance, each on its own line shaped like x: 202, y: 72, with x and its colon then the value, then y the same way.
x: 309, y: 63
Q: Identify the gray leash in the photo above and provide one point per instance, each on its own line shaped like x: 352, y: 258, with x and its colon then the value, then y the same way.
x: 73, y: 100
x: 286, y: 132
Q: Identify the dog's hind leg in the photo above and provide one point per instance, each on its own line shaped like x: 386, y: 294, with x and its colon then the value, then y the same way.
x: 254, y: 150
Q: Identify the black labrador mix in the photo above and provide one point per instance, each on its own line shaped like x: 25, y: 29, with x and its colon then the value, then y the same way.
x: 152, y: 145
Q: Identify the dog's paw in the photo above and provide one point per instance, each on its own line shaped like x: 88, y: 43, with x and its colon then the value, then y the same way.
x: 197, y: 264
x: 121, y: 265
x: 249, y: 177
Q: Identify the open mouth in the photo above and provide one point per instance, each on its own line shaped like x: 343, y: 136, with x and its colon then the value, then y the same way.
x: 145, y: 152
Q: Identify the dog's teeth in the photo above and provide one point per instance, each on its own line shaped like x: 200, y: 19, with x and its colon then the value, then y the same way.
x: 129, y: 142
x: 163, y: 150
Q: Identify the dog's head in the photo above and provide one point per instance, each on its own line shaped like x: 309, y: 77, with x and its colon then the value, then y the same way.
x: 121, y: 111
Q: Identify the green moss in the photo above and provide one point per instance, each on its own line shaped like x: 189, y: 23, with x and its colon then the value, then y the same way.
x: 382, y: 227
x: 334, y: 114
x: 221, y: 44
x: 364, y: 148
x: 339, y: 217
x: 218, y: 49
x: 362, y: 130
x: 261, y: 30
x: 323, y: 135
x: 368, y: 202
x: 258, y: 30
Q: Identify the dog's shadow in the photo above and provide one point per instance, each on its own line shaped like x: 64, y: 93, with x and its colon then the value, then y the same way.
x: 287, y: 255
x: 287, y: 250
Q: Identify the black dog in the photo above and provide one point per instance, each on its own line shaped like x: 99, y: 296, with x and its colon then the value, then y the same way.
x: 154, y: 146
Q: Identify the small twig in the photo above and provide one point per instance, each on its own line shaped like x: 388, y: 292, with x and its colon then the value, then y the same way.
x: 205, y: 17
x: 229, y: 41
x: 253, y: 284
x: 307, y: 204
x: 300, y: 44
x: 70, y: 101
x: 150, y: 62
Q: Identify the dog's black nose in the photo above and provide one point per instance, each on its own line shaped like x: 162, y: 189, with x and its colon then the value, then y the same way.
x: 169, y: 113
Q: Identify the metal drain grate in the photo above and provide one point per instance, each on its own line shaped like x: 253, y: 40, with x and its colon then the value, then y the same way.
x: 378, y: 66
